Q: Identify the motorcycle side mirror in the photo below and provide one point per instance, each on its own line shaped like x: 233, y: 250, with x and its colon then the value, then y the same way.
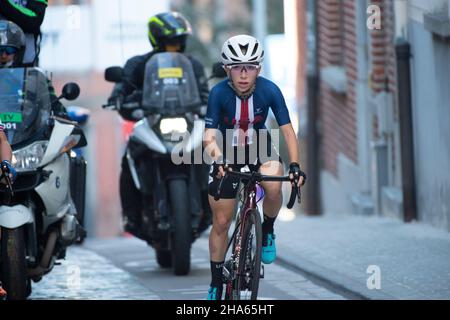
x: 218, y: 71
x: 70, y: 91
x: 114, y: 74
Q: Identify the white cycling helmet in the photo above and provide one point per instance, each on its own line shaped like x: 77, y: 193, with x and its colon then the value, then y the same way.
x: 242, y: 49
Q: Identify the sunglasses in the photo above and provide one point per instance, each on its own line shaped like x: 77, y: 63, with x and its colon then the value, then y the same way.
x: 238, y: 68
x: 8, y: 50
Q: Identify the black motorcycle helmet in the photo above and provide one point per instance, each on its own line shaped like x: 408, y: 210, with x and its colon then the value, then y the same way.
x: 11, y: 35
x: 167, y: 28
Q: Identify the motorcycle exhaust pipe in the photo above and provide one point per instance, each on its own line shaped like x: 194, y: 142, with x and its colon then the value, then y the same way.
x: 43, y: 266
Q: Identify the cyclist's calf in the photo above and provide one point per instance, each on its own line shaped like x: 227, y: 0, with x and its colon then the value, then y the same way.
x: 273, y: 199
x: 222, y: 218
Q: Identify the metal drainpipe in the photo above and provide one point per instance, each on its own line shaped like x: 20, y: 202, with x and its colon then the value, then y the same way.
x: 312, y: 188
x: 403, y: 53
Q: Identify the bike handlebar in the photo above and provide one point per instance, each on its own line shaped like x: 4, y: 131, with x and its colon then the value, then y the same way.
x: 257, y: 177
x: 126, y: 105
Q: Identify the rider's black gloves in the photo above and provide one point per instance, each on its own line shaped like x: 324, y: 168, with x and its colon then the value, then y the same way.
x: 137, y: 114
x: 294, y: 169
x: 219, y: 162
x: 8, y: 168
x: 136, y: 96
x: 112, y: 100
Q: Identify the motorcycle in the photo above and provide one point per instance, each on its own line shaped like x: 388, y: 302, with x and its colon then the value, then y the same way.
x: 173, y: 215
x: 38, y: 218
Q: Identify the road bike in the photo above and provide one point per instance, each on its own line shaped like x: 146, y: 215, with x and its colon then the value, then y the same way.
x: 242, y: 268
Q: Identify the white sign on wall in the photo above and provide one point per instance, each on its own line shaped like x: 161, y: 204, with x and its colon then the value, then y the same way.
x: 105, y: 33
x: 280, y: 68
x: 121, y: 29
x: 66, y: 39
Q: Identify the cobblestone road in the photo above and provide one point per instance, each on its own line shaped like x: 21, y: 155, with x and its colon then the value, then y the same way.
x: 126, y: 268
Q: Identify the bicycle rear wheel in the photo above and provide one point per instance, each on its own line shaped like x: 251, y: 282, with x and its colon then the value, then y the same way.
x: 249, y: 268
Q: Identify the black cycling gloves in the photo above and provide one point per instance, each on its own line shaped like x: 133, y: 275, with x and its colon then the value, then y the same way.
x: 296, y: 172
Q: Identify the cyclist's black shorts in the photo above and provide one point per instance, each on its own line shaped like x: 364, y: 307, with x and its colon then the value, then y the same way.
x: 230, y: 185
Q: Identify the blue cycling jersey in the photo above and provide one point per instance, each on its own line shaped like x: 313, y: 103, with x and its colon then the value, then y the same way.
x: 226, y: 110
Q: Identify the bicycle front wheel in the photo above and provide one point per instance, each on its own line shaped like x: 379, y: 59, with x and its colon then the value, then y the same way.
x: 249, y: 268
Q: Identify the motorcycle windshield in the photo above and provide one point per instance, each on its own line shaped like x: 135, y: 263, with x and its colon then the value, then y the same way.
x: 170, y: 86
x: 24, y: 102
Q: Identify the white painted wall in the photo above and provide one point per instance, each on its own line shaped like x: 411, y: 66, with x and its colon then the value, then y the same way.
x: 95, y: 36
x: 430, y: 69
x: 401, y: 18
x: 417, y: 8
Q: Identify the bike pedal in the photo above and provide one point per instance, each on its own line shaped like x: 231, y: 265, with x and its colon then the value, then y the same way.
x: 261, y: 274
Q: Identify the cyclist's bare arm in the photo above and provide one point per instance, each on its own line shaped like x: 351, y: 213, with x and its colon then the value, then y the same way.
x: 211, y: 146
x: 291, y: 141
x: 5, y: 148
x: 292, y: 144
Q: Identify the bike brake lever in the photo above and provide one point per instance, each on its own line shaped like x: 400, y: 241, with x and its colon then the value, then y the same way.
x: 292, y: 198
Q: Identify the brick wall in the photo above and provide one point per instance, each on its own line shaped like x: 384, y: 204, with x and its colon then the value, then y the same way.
x: 301, y: 7
x: 383, y: 74
x: 337, y: 46
x: 383, y: 77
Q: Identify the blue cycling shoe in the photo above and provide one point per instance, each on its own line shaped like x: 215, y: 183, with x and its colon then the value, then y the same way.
x: 269, y: 251
x: 214, y: 293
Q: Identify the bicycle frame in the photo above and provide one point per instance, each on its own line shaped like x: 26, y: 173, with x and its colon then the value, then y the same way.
x: 249, y: 205
x: 236, y: 264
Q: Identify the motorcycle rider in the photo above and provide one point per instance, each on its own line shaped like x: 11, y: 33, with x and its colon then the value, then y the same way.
x: 5, y: 156
x: 6, y: 153
x: 167, y: 32
x: 12, y: 50
x: 7, y: 56
x: 12, y: 44
x: 28, y: 15
x: 12, y: 41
